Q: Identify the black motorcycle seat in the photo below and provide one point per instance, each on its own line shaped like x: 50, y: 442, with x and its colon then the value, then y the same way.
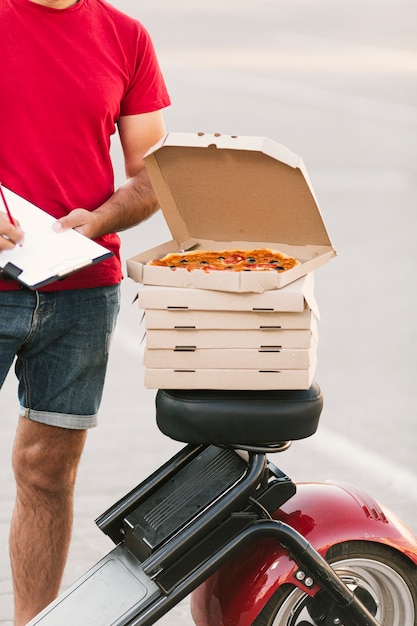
x: 226, y: 417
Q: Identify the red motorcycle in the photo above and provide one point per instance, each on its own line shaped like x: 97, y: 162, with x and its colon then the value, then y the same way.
x: 221, y: 521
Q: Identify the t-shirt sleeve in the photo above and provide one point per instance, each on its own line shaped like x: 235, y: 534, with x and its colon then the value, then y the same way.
x: 147, y: 90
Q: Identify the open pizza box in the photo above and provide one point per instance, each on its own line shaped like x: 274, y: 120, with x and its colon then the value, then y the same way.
x: 221, y: 192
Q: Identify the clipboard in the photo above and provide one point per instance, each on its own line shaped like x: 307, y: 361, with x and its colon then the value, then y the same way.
x: 45, y: 256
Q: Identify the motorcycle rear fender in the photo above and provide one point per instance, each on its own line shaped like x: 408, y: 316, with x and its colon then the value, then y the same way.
x: 325, y: 514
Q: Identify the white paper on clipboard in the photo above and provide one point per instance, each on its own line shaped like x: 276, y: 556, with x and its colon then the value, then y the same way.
x: 45, y: 255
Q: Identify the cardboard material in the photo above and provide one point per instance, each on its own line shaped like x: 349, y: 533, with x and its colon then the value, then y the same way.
x: 292, y: 298
x: 234, y: 320
x: 218, y: 340
x: 229, y: 379
x: 256, y: 339
x: 271, y: 358
x: 221, y: 192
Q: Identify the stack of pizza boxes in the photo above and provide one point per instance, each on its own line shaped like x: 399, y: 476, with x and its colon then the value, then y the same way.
x: 224, y: 329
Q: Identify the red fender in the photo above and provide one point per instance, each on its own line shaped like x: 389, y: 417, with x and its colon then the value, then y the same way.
x: 325, y: 514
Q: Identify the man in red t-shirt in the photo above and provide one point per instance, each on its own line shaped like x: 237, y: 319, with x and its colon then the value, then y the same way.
x: 71, y: 72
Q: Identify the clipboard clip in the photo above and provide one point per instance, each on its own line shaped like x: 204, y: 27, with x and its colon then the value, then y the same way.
x: 10, y: 272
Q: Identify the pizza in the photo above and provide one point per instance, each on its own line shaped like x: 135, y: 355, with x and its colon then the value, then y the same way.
x: 260, y: 259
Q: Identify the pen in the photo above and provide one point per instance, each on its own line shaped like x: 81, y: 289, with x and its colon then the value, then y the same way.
x: 9, y: 215
x: 6, y: 206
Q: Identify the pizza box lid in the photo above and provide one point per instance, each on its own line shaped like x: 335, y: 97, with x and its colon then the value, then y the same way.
x: 224, y: 192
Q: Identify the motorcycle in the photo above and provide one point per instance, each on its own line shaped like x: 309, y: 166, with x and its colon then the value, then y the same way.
x: 220, y: 521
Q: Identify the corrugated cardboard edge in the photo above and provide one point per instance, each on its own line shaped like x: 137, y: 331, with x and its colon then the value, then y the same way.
x: 210, y: 319
x: 229, y: 379
x: 173, y: 297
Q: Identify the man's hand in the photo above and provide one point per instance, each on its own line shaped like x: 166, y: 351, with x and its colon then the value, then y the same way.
x: 9, y: 234
x: 79, y: 219
x: 130, y: 204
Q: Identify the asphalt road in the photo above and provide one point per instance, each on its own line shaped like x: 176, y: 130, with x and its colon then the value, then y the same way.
x: 335, y: 83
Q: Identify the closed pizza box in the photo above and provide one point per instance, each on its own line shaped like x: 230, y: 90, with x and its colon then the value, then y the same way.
x: 173, y: 319
x: 231, y: 358
x: 292, y: 298
x: 255, y: 379
x: 255, y: 339
x: 220, y: 192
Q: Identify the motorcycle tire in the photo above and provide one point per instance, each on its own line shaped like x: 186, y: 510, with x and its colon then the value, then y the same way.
x: 386, y: 577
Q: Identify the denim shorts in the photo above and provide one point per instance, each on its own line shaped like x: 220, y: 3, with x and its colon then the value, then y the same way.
x: 61, y: 342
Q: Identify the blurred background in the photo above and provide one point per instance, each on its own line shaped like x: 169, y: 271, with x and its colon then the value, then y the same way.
x: 336, y: 83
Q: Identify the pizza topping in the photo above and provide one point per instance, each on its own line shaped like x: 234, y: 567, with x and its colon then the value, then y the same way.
x: 233, y: 260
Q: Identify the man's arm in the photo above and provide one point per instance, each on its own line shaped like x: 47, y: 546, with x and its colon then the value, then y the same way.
x: 135, y: 200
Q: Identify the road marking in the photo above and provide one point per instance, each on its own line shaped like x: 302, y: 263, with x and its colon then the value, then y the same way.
x: 374, y: 466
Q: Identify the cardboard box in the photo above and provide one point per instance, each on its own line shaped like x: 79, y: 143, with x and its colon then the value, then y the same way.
x: 264, y: 358
x: 226, y: 192
x: 237, y: 320
x: 229, y: 379
x: 218, y: 340
x: 292, y: 298
x: 206, y: 339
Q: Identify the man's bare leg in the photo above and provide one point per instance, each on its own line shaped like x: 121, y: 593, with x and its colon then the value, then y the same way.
x: 45, y: 461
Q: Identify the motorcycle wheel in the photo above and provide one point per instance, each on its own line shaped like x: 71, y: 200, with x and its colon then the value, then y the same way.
x: 379, y: 571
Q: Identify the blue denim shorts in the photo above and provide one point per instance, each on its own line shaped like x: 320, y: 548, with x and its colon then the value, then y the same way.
x: 61, y: 342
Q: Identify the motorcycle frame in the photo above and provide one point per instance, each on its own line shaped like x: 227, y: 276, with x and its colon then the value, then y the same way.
x: 275, y: 549
x: 357, y: 517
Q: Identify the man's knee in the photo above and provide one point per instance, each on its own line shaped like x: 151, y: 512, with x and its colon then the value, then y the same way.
x: 45, y: 458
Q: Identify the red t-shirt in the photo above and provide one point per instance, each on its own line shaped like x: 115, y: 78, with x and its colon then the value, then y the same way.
x: 66, y: 76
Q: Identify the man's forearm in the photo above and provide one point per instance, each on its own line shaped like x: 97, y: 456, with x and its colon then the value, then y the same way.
x: 132, y: 203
